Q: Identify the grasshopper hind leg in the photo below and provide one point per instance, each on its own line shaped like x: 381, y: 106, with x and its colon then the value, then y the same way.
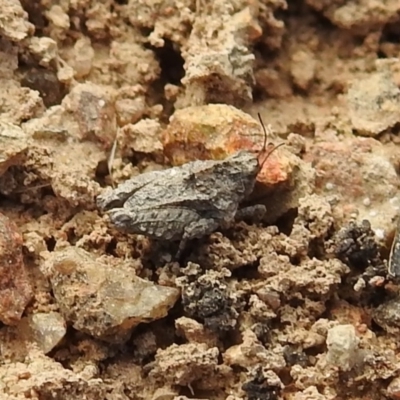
x: 196, y: 229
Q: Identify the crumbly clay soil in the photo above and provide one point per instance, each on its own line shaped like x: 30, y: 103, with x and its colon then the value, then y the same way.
x: 295, y: 305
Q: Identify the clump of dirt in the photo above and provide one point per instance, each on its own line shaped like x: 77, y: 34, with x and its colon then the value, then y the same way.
x: 294, y: 303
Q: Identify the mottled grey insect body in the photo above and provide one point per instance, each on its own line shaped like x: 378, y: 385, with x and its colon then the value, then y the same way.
x: 185, y: 202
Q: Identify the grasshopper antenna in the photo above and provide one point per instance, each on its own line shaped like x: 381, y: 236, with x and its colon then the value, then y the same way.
x: 266, y: 132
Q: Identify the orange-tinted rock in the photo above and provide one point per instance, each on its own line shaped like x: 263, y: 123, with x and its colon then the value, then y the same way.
x: 210, y: 132
x: 359, y: 174
x: 276, y: 166
x: 216, y: 131
x: 15, y: 288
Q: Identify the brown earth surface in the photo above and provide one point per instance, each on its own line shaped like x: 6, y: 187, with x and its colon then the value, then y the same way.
x: 295, y: 305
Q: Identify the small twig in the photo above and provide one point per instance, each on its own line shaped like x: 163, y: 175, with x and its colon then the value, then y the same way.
x: 111, y: 160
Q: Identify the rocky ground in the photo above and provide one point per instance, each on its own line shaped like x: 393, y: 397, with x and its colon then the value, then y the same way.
x: 297, y: 305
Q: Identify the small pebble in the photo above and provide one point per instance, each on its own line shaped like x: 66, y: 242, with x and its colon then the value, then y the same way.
x: 343, y: 350
x: 367, y: 202
x: 379, y: 233
x: 359, y: 285
x: 329, y: 186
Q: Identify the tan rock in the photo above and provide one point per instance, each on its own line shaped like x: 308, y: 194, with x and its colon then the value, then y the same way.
x: 14, y: 143
x: 374, y: 103
x: 104, y: 301
x: 186, y: 363
x: 45, y: 329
